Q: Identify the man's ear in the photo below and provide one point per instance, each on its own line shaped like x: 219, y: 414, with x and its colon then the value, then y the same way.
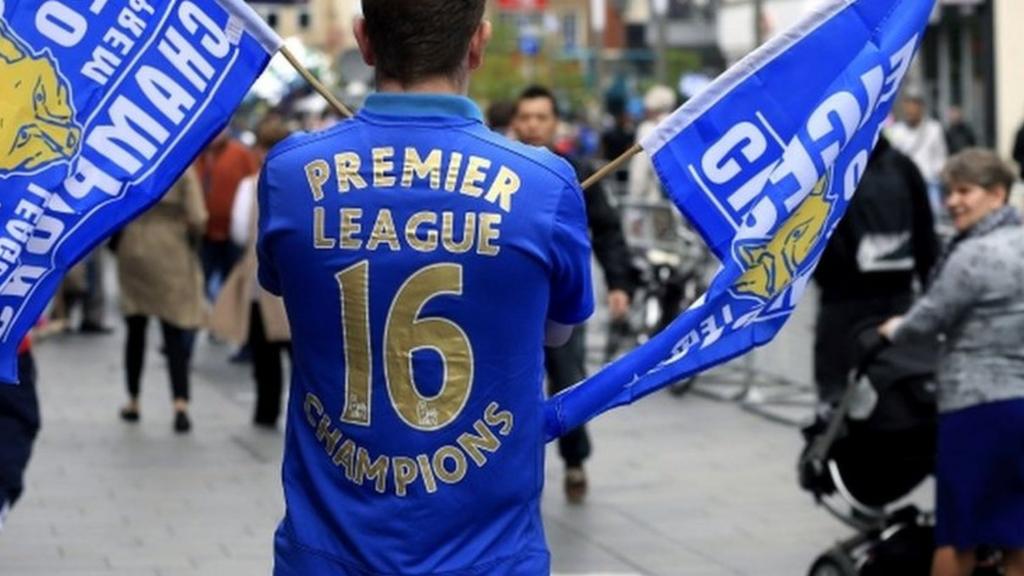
x: 363, y: 40
x: 478, y: 44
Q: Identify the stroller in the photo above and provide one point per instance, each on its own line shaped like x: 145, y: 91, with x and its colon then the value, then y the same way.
x: 871, y: 451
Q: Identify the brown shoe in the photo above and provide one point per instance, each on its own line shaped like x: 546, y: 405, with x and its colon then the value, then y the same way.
x: 575, y: 485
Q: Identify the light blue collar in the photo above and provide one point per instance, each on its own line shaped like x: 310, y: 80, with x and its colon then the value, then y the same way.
x: 422, y: 105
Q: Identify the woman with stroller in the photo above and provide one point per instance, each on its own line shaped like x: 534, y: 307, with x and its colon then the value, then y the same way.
x: 975, y: 300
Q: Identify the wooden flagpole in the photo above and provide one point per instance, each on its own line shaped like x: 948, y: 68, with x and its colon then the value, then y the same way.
x: 316, y: 84
x: 345, y: 112
x: 612, y: 166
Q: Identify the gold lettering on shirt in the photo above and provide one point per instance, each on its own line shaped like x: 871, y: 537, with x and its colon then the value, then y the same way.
x: 347, y: 165
x: 454, y: 167
x: 475, y: 175
x: 489, y: 234
x: 428, y: 474
x: 383, y: 167
x: 450, y: 457
x: 317, y: 173
x: 419, y: 168
x: 505, y: 185
x: 350, y: 227
x: 376, y: 471
x: 472, y: 176
x: 384, y: 232
x: 405, y: 473
x: 320, y: 241
x: 448, y: 233
x: 345, y: 457
x: 448, y: 464
x: 412, y: 237
x: 476, y: 445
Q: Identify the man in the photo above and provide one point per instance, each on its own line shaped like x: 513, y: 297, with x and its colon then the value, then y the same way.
x: 423, y: 260
x: 885, y: 242
x: 924, y: 141
x: 535, y: 123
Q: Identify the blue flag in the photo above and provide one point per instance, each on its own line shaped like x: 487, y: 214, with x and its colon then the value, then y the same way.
x: 764, y: 163
x: 103, y: 105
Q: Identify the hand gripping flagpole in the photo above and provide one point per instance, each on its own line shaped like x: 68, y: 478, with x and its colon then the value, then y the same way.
x: 316, y: 84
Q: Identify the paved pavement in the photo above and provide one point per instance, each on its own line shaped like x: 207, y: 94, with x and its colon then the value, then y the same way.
x: 680, y: 486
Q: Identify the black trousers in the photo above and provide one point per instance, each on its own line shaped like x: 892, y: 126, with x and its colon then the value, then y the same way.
x: 565, y: 367
x: 19, y: 424
x: 267, y: 369
x: 175, y: 344
x: 838, y: 325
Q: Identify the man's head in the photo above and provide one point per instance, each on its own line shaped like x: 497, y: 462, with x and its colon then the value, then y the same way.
x: 419, y: 42
x: 913, y: 109
x: 536, y: 118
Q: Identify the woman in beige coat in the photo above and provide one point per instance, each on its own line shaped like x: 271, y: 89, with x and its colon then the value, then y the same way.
x: 161, y: 276
x: 245, y: 312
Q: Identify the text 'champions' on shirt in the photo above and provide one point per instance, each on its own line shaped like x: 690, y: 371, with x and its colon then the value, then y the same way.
x: 419, y: 256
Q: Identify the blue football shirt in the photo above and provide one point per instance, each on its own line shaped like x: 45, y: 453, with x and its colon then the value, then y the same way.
x: 419, y: 256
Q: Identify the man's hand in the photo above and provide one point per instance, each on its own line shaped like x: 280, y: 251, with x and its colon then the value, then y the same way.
x: 888, y: 330
x: 618, y: 304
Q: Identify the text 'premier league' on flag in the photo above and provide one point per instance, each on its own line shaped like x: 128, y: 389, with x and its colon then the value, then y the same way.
x: 104, y: 104
x: 763, y: 163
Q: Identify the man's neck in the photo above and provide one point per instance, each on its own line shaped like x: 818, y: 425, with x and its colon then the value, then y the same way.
x: 438, y: 85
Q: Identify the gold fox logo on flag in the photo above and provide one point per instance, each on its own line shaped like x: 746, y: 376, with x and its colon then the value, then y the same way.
x: 37, y: 120
x: 771, y: 268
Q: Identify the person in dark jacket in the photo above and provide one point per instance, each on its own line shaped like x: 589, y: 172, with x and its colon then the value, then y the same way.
x: 885, y: 241
x: 959, y: 134
x: 535, y: 123
x: 19, y: 425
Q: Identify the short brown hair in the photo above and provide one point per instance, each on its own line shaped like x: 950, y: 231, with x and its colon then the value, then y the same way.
x: 980, y: 167
x: 418, y: 39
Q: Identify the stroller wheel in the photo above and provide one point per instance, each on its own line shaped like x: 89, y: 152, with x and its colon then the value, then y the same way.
x: 833, y: 563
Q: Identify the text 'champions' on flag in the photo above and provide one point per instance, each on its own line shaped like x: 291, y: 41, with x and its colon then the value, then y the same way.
x: 103, y: 106
x: 764, y: 163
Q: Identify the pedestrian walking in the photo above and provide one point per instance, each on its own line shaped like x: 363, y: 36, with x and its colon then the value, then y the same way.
x: 976, y: 302
x: 923, y: 139
x: 220, y: 168
x: 245, y: 313
x: 161, y: 277
x: 536, y: 123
